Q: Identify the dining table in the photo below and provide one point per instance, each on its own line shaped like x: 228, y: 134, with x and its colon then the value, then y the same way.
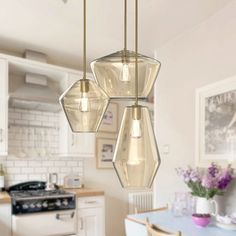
x: 134, y: 225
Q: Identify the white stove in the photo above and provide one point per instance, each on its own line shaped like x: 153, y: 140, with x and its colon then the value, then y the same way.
x: 38, y: 212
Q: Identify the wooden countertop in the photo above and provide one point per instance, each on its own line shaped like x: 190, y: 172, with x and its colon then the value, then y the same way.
x: 4, y: 197
x: 85, y: 192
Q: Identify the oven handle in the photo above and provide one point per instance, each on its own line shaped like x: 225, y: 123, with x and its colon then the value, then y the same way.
x: 65, y: 216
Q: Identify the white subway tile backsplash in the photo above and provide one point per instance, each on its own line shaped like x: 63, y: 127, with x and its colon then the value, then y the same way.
x: 71, y: 163
x: 60, y: 163
x: 65, y: 170
x: 15, y: 115
x: 21, y: 177
x: 28, y: 170
x: 77, y: 170
x: 40, y: 170
x: 26, y: 135
x: 21, y: 163
x: 13, y: 170
x: 22, y: 122
x: 35, y: 122
x: 35, y: 112
x: 35, y: 177
x: 48, y: 163
x: 53, y: 170
x: 28, y: 116
x: 53, y: 119
x: 9, y: 163
x: 41, y: 118
x: 48, y: 124
x: 16, y: 143
x: 35, y: 163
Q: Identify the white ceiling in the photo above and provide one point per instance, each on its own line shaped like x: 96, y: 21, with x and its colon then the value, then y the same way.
x: 55, y: 28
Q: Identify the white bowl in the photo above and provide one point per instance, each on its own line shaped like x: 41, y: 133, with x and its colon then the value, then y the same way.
x: 226, y: 226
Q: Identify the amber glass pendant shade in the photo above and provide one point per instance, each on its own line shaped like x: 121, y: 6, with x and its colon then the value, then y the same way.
x: 115, y: 74
x: 136, y: 157
x: 84, y: 104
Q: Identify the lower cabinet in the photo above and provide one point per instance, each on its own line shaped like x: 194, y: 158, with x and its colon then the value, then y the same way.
x: 5, y: 219
x: 91, y: 216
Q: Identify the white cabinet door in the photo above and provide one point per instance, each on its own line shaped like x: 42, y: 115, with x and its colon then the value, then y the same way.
x: 3, y: 107
x: 91, y: 216
x: 91, y: 222
x: 75, y: 144
x: 5, y: 219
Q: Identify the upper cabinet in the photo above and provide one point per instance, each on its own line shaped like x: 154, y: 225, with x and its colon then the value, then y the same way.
x: 12, y: 75
x: 3, y: 107
x: 74, y: 144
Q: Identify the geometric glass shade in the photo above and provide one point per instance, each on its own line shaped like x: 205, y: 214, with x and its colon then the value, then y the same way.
x: 136, y: 157
x: 84, y: 104
x: 115, y: 74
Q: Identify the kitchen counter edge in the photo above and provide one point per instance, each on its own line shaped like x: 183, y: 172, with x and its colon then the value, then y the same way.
x: 4, y: 198
x: 85, y: 192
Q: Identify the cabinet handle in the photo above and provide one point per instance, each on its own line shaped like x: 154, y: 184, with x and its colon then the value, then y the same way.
x: 1, y: 135
x: 65, y: 216
x: 90, y: 202
x: 81, y: 224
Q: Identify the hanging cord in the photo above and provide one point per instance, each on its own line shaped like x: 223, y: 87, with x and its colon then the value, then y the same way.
x: 85, y: 63
x: 125, y: 25
x: 136, y: 52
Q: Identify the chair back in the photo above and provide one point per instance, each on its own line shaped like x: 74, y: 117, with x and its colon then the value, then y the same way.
x: 153, y: 230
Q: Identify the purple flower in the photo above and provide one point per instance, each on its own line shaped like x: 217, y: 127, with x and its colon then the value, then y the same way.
x: 188, y: 175
x: 206, y: 183
x: 209, y: 182
x: 213, y: 170
x: 194, y: 176
x: 225, y: 179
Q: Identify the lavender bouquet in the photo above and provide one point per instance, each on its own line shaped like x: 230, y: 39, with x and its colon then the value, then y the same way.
x: 206, y: 183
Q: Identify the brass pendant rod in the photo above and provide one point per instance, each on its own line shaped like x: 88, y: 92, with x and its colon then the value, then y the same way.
x: 136, y: 52
x: 84, y: 56
x: 125, y: 25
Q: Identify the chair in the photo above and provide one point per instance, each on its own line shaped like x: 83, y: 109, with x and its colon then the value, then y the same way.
x: 153, y: 230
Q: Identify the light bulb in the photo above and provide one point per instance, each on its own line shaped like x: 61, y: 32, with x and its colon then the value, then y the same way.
x: 84, y: 105
x: 136, y: 153
x: 136, y: 130
x: 124, y: 77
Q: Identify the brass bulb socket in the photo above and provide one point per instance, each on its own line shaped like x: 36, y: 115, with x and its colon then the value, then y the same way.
x: 84, y: 86
x: 136, y: 112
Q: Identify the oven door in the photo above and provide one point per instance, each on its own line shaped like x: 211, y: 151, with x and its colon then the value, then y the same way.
x: 59, y: 223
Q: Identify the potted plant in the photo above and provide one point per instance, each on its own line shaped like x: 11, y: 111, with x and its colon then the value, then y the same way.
x: 205, y: 184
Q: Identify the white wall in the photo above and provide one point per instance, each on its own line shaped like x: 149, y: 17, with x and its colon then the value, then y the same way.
x: 116, y: 196
x: 198, y: 57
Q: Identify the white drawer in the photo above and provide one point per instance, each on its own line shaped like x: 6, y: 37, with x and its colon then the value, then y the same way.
x: 88, y: 202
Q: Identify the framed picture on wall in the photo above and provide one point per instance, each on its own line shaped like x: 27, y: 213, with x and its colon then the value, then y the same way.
x: 105, y: 150
x: 110, y: 120
x: 216, y: 123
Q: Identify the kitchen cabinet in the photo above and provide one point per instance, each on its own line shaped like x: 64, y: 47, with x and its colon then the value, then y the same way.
x: 91, y: 216
x: 81, y: 145
x: 5, y: 219
x: 74, y: 144
x: 3, y: 107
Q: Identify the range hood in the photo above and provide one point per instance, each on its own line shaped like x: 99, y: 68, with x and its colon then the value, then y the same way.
x: 35, y: 94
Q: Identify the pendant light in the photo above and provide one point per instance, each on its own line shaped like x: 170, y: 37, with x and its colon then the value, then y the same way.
x: 115, y: 73
x: 136, y: 157
x: 84, y: 103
